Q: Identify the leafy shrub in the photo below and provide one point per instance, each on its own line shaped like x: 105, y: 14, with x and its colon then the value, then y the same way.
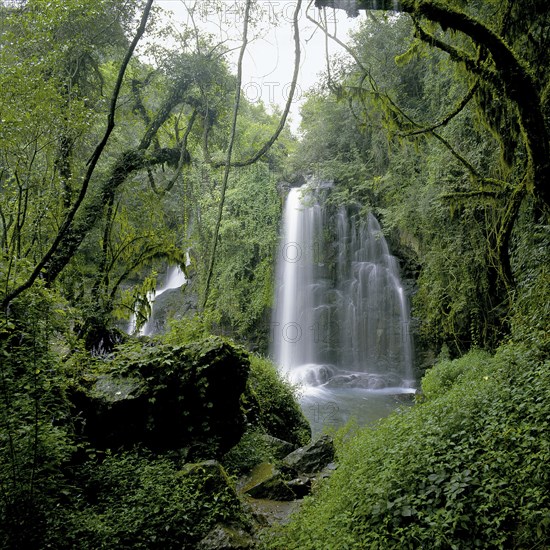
x: 274, y: 402
x: 185, y: 330
x: 441, y: 378
x: 133, y: 501
x: 467, y: 468
x: 251, y: 450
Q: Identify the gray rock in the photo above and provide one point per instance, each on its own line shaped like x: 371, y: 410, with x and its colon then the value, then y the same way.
x: 311, y: 458
x: 368, y: 381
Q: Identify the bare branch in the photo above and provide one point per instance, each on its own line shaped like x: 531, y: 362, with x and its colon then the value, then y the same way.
x: 297, y: 55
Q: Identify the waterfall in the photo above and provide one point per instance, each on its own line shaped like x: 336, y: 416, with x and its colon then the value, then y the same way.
x: 373, y: 308
x: 175, y: 278
x: 303, y: 292
x: 341, y: 315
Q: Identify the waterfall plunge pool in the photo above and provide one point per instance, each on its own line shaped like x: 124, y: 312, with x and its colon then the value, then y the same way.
x: 331, y: 408
x: 331, y: 397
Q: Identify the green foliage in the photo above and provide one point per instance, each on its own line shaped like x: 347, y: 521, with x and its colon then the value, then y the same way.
x: 139, y: 501
x: 442, y: 377
x: 59, y: 68
x: 251, y: 450
x: 61, y: 493
x: 274, y: 401
x: 35, y: 428
x: 242, y: 287
x: 188, y: 329
x: 467, y: 468
x: 400, y: 139
x: 530, y: 315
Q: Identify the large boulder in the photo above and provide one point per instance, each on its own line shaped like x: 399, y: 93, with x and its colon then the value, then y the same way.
x: 166, y: 398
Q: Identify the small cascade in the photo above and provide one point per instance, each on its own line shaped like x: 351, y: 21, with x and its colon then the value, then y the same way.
x: 175, y: 278
x: 341, y: 315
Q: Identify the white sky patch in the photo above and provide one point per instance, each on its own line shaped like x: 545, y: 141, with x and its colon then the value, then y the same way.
x: 269, y: 61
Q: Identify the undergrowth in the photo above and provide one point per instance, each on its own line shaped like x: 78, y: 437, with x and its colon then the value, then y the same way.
x: 132, y: 500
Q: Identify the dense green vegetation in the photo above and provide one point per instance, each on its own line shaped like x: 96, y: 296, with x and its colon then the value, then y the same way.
x: 411, y: 133
x: 111, y: 156
x: 466, y: 468
x: 135, y: 500
x: 71, y: 478
x: 108, y: 167
x: 114, y: 137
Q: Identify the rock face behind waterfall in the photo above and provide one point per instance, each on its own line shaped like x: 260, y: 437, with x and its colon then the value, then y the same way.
x: 167, y: 398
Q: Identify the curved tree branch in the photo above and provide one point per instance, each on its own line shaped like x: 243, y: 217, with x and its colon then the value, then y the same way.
x: 468, y: 165
x: 92, y: 164
x: 517, y: 81
x: 297, y: 56
x: 184, y: 154
x: 444, y: 121
x: 129, y: 162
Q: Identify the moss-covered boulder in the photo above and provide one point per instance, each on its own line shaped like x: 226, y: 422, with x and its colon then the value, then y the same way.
x: 166, y: 397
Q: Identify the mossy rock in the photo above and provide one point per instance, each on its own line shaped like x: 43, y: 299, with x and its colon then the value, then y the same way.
x: 266, y: 482
x: 167, y: 398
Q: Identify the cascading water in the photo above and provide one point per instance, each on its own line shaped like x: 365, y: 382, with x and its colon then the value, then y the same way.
x: 341, y: 316
x: 302, y: 295
x: 175, y: 278
x: 372, y: 306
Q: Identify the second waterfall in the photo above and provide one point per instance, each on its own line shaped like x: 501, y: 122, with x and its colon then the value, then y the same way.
x: 341, y: 316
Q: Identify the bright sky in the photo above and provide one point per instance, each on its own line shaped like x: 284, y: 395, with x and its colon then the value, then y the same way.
x: 269, y: 60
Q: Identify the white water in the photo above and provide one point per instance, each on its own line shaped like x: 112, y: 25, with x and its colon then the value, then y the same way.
x: 303, y: 293
x: 341, y: 315
x: 372, y: 305
x: 175, y: 278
